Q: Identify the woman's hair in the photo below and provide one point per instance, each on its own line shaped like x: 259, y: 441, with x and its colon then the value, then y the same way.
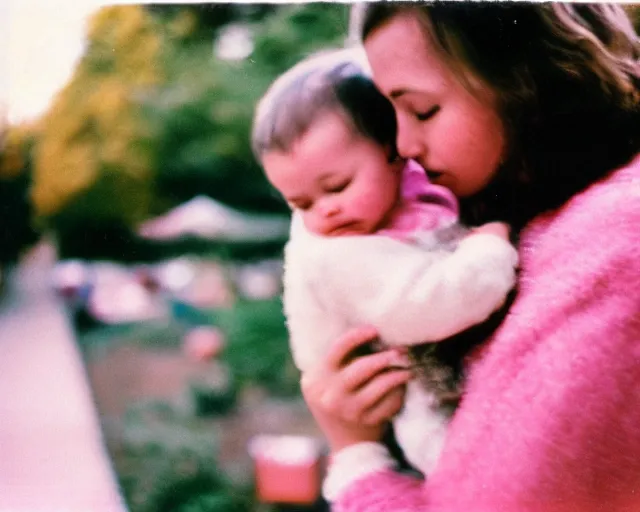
x: 566, y: 80
x: 331, y: 81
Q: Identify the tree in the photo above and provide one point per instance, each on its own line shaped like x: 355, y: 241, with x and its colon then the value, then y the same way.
x: 94, y: 159
x: 16, y: 216
x: 152, y: 116
x: 204, y: 112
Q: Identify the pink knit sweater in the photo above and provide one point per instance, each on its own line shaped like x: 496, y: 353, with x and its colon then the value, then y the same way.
x: 551, y: 418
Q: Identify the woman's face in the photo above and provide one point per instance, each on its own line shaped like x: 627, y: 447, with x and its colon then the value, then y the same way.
x: 457, y: 137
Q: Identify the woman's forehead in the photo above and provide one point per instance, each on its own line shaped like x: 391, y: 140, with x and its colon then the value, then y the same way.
x: 403, y: 59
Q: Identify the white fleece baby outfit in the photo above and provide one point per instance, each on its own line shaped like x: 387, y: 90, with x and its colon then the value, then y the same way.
x: 420, y: 279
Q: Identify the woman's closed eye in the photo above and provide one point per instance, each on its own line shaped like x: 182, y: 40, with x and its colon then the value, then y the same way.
x: 425, y: 116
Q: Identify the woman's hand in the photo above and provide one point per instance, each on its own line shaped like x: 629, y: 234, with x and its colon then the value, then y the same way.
x: 353, y: 398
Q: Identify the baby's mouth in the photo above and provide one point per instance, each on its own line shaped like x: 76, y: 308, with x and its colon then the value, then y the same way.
x: 348, y: 228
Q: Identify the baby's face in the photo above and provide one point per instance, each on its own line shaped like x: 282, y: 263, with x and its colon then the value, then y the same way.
x: 341, y: 182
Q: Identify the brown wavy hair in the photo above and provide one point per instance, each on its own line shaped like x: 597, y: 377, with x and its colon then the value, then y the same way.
x: 566, y: 78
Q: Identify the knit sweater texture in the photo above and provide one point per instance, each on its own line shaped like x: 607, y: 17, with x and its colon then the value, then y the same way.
x: 550, y: 420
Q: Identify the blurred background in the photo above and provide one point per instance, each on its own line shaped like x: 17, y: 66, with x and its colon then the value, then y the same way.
x: 141, y: 259
x: 138, y: 235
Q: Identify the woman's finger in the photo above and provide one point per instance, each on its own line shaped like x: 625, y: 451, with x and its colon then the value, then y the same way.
x: 364, y: 369
x: 385, y: 409
x: 346, y: 344
x: 375, y: 392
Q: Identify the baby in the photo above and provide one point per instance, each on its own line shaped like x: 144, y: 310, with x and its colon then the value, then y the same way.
x: 372, y: 241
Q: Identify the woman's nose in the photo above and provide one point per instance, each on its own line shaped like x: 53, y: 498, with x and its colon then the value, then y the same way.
x: 408, y: 140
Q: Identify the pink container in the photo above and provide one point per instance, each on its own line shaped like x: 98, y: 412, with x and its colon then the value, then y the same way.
x: 288, y: 469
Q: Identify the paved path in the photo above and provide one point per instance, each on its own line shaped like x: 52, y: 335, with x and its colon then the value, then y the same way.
x: 52, y: 456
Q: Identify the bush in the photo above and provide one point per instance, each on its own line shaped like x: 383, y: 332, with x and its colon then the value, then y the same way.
x: 167, y: 463
x: 215, y: 393
x: 257, y: 345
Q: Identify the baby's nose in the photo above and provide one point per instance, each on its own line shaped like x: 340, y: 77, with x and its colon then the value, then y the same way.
x: 329, y: 209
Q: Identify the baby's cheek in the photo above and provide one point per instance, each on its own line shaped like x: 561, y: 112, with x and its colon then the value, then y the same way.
x: 309, y: 222
x: 364, y: 206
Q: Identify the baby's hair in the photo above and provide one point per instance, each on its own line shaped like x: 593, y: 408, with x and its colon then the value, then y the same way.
x: 326, y: 82
x: 565, y: 78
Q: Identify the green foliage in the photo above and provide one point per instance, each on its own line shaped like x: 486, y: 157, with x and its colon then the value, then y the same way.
x: 257, y: 351
x: 93, y: 159
x: 166, y: 463
x: 295, y: 31
x: 95, y: 239
x: 16, y: 230
x: 163, y: 333
x: 214, y: 392
x: 101, y: 239
x: 258, y: 348
x: 166, y: 457
x: 204, y: 113
x: 16, y: 224
x: 196, y: 22
x: 152, y: 117
x: 213, y: 502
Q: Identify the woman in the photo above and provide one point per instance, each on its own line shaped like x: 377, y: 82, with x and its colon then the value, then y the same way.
x: 530, y: 114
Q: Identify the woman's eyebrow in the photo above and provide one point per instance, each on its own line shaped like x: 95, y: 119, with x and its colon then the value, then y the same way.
x: 403, y: 91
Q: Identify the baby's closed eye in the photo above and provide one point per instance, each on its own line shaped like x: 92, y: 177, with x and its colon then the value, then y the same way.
x: 338, y: 187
